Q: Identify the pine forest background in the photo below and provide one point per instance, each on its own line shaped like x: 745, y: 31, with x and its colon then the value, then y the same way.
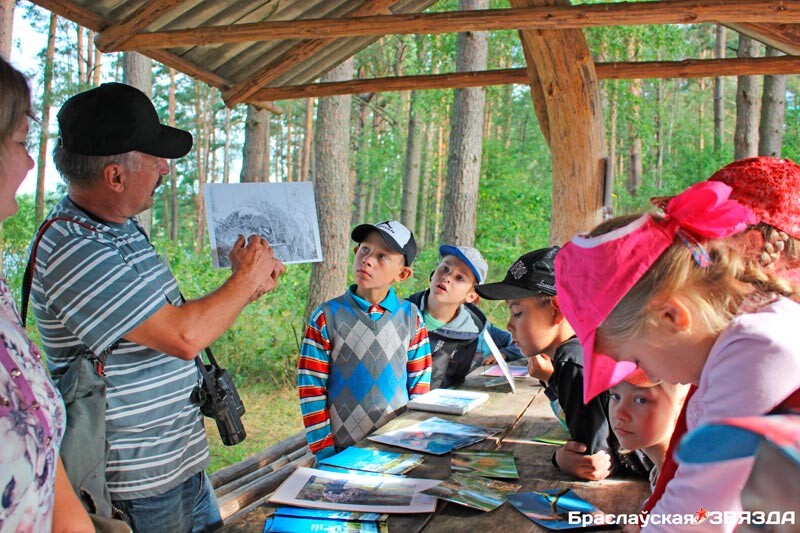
x: 661, y: 135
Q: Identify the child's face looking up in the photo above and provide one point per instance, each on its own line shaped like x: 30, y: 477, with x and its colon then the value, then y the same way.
x: 377, y: 266
x: 453, y: 282
x: 641, y: 417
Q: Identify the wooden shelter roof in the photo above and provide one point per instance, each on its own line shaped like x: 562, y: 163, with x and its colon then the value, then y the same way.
x: 263, y: 50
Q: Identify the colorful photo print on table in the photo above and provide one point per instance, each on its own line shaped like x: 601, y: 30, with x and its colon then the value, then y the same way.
x: 299, y: 520
x: 485, y: 463
x: 434, y: 435
x: 473, y: 491
x: 556, y: 508
x: 371, y: 460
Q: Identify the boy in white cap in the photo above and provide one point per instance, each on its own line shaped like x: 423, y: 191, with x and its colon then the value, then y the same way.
x: 366, y: 352
x: 455, y: 324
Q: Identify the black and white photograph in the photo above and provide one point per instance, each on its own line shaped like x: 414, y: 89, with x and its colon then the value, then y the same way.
x: 282, y: 213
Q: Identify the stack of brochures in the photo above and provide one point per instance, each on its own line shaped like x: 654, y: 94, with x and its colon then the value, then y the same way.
x: 296, y: 520
x: 456, y: 402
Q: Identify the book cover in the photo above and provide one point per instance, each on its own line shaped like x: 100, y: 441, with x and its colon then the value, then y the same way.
x: 319, y: 489
x: 473, y: 491
x: 299, y: 520
x: 555, y: 508
x: 370, y: 460
x: 558, y: 435
x: 434, y: 435
x: 484, y: 463
x: 451, y: 401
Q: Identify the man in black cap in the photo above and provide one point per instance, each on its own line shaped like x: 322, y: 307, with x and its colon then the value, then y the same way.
x: 100, y: 288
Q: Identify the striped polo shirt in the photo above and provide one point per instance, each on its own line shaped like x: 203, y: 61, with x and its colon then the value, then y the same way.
x: 90, y: 288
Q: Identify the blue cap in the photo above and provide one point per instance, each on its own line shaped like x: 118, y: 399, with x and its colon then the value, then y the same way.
x: 470, y: 257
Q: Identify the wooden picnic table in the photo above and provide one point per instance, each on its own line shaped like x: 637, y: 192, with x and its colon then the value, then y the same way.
x: 520, y: 416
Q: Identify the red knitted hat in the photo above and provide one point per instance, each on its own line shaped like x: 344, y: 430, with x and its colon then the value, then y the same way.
x: 768, y: 186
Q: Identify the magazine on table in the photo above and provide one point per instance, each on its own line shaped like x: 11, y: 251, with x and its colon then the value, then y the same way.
x: 282, y: 213
x: 371, y: 460
x: 319, y: 489
x: 515, y: 370
x: 473, y: 491
x: 456, y: 402
x: 299, y: 520
x: 434, y: 435
x: 484, y: 463
x: 499, y: 359
x: 557, y: 509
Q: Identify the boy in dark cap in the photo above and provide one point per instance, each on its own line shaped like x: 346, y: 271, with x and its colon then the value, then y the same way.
x: 555, y: 357
x: 366, y: 352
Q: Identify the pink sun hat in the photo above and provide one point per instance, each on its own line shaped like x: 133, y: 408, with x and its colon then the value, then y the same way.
x: 593, y: 274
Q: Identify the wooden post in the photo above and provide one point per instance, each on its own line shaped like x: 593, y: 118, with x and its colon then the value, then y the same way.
x: 569, y: 85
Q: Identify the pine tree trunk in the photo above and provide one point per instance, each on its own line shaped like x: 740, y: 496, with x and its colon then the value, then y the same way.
x: 82, y: 62
x: 773, y: 108
x: 719, y: 92
x: 98, y: 66
x: 226, y: 164
x: 425, y: 188
x: 6, y: 27
x: 745, y: 138
x: 44, y: 131
x: 659, y: 133
x: 408, y: 212
x: 635, y: 168
x: 331, y: 185
x: 466, y: 128
x: 440, y: 163
x: 255, y: 162
x: 612, y: 142
x: 361, y: 189
x: 289, y: 173
x: 173, y: 178
x: 137, y: 70
x: 308, y: 135
x: 90, y: 56
x: 199, y: 144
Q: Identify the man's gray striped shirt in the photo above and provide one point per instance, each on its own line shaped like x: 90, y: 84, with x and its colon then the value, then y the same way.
x: 90, y: 288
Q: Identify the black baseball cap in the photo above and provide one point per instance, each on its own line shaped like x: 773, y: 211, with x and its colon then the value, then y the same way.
x: 115, y: 118
x: 533, y: 273
x: 398, y: 237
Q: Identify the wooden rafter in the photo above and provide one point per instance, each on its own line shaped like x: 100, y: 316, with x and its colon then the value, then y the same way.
x: 690, y: 68
x: 97, y: 23
x: 546, y: 17
x: 244, y: 90
x: 115, y: 36
x: 784, y: 37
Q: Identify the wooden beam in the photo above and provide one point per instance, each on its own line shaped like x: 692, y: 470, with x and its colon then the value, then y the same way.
x: 689, y: 68
x: 97, y: 23
x: 113, y: 37
x: 244, y: 90
x: 544, y: 17
x: 783, y: 37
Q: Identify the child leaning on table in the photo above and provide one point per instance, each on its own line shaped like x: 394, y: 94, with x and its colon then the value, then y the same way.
x: 668, y: 294
x: 643, y: 413
x: 555, y: 357
x: 366, y: 352
x: 455, y: 324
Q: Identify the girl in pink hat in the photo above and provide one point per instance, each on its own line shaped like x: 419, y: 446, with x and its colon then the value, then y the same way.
x: 668, y: 294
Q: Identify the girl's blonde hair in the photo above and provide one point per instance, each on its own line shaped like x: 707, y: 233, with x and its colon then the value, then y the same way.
x: 15, y: 100
x: 715, y: 292
x: 780, y: 250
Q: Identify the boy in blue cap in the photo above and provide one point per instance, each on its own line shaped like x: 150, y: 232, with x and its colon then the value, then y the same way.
x: 455, y: 324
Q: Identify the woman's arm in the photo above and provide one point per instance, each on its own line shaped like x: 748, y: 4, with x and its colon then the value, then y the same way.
x: 68, y: 512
